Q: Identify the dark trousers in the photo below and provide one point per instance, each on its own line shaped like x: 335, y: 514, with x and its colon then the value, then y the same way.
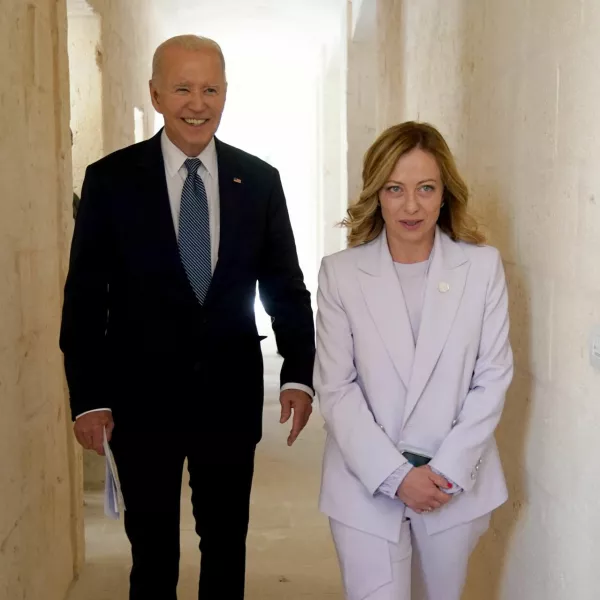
x: 150, y: 465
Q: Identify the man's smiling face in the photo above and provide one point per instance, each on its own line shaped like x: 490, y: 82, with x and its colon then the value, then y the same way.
x: 189, y: 90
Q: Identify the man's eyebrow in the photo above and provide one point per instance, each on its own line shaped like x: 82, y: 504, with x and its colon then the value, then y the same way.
x: 188, y: 84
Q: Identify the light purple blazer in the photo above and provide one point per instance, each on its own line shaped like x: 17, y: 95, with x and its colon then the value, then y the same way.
x: 378, y: 393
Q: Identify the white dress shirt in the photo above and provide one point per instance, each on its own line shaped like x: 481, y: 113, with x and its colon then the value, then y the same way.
x: 176, y: 174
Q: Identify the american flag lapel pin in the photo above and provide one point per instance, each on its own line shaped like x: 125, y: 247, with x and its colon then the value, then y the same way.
x: 237, y: 180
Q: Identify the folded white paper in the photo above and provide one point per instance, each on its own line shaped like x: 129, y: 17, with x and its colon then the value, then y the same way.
x: 113, y: 498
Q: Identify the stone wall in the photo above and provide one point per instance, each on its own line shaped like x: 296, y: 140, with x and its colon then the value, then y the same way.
x: 41, y: 531
x: 40, y: 519
x: 514, y: 87
x: 85, y: 52
x: 130, y: 31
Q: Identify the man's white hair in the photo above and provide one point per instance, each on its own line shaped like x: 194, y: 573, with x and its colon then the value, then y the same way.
x: 189, y: 42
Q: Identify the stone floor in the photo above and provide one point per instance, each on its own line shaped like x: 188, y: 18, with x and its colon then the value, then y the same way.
x: 290, y: 555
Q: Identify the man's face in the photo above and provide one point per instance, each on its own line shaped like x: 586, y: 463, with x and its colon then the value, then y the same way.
x: 189, y: 91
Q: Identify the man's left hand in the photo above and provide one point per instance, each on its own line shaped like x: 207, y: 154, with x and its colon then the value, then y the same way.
x: 301, y: 404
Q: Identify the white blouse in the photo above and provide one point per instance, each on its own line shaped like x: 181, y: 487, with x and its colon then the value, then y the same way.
x: 413, y: 278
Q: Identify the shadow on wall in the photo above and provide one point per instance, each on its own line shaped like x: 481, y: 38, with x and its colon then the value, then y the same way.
x: 489, y: 152
x: 486, y: 569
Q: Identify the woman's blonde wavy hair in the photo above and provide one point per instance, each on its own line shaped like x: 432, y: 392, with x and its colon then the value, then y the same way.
x: 364, y: 219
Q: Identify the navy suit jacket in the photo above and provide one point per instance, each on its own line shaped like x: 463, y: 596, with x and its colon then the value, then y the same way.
x: 134, y: 337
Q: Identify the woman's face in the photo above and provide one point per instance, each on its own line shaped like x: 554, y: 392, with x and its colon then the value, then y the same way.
x: 412, y: 198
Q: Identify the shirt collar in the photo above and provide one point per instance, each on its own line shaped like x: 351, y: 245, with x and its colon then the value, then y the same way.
x: 174, y: 158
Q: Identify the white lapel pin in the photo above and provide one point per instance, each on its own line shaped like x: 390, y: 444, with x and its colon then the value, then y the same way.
x: 236, y: 180
x: 443, y: 287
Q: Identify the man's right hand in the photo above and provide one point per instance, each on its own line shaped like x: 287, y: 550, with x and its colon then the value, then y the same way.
x: 420, y: 490
x: 89, y: 429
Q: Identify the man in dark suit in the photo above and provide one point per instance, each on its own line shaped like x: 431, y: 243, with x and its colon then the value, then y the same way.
x: 158, y: 330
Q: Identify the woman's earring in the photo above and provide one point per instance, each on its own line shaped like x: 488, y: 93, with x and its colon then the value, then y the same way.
x: 443, y: 204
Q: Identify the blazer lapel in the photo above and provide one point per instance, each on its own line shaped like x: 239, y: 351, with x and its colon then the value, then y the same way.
x: 157, y: 208
x: 231, y: 195
x: 385, y: 302
x: 444, y: 291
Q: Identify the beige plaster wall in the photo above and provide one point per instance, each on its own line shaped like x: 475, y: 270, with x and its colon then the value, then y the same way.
x: 533, y: 150
x: 130, y: 31
x: 85, y: 48
x: 514, y: 85
x: 40, y: 520
x: 361, y: 90
x: 41, y: 533
x: 332, y: 145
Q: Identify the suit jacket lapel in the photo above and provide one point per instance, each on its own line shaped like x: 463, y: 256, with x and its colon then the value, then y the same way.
x: 231, y: 194
x: 444, y: 291
x: 385, y: 301
x: 157, y: 207
x: 154, y: 183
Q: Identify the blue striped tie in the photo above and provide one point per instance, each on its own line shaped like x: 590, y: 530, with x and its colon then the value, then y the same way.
x: 194, y: 231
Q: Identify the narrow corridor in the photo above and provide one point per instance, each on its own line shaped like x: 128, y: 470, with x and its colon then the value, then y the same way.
x: 513, y: 86
x: 290, y: 554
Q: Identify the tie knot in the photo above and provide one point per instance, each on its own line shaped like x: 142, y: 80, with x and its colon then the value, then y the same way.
x: 192, y: 165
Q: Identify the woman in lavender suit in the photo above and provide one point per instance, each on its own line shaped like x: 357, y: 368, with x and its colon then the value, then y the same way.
x: 413, y: 364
